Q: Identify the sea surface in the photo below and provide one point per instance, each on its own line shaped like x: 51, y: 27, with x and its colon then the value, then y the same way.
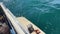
x: 43, y: 13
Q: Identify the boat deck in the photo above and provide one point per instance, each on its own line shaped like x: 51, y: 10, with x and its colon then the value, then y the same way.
x: 25, y: 22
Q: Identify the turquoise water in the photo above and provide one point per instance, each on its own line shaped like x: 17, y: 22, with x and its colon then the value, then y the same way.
x: 44, y: 13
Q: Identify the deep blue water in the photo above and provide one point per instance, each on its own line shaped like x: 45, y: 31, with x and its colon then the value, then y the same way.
x: 44, y: 13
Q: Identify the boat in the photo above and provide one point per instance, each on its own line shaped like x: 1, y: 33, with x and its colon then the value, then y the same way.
x: 18, y: 25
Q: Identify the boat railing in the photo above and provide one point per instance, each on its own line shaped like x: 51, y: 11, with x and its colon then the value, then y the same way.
x: 17, y: 25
